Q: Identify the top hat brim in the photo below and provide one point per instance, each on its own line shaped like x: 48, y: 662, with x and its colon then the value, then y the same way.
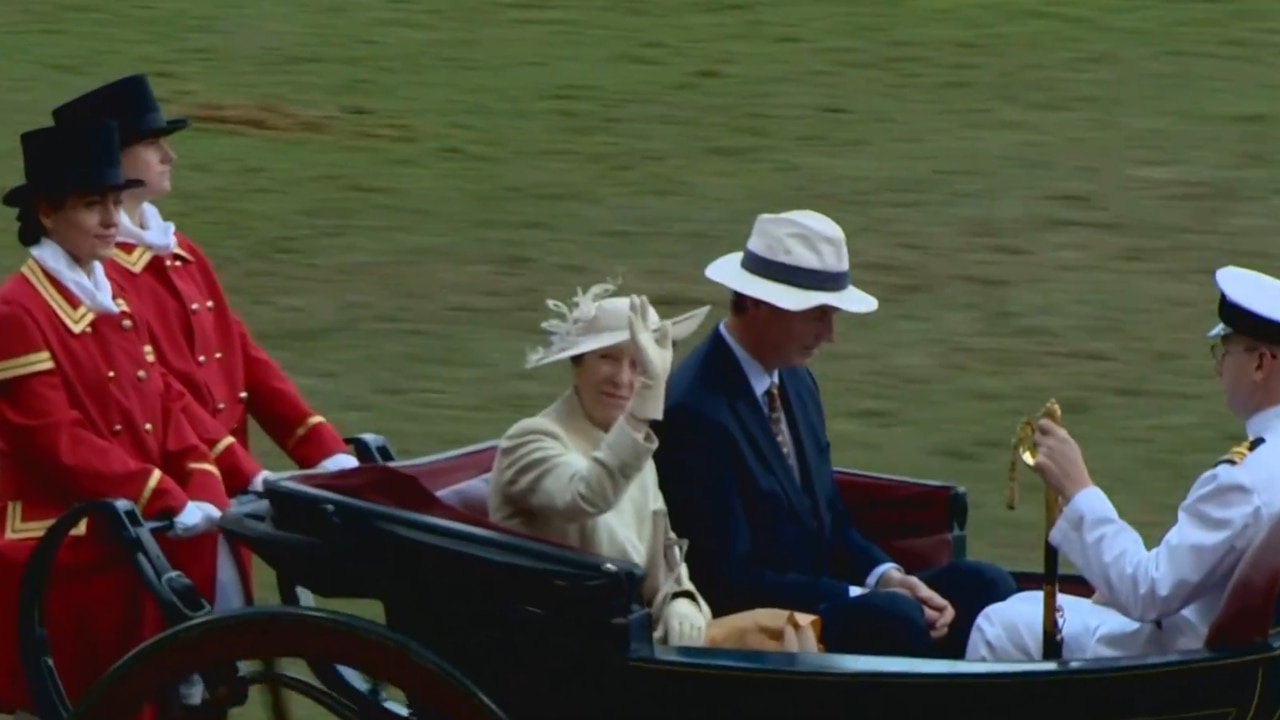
x: 170, y: 127
x: 21, y: 195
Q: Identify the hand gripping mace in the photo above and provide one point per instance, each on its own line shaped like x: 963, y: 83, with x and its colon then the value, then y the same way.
x: 1024, y: 450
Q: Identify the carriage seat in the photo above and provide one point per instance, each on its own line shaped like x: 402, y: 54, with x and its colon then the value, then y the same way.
x: 469, y: 495
x: 1249, y: 607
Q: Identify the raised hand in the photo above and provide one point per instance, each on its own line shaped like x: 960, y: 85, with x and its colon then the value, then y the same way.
x: 654, y: 351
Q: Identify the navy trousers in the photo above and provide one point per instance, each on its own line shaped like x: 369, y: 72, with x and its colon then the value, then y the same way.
x: 890, y: 623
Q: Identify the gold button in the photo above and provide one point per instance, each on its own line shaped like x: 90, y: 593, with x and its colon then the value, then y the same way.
x: 146, y: 428
x: 221, y: 406
x: 200, y: 359
x: 244, y: 396
x: 117, y: 430
x: 127, y: 324
x: 168, y: 263
x: 177, y: 263
x: 208, y: 304
x: 89, y: 329
x: 195, y: 307
x: 111, y: 374
x: 142, y: 375
x: 217, y: 356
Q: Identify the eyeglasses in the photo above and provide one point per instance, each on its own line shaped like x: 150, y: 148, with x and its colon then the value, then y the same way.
x: 1219, y: 352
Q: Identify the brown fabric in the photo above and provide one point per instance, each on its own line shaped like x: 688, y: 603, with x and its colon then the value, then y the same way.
x: 767, y: 629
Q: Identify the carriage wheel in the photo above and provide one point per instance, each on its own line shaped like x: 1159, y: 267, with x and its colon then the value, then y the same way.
x: 148, y: 674
x: 347, y: 683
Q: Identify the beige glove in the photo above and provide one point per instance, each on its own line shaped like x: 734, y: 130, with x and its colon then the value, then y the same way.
x: 683, y: 624
x: 654, y: 351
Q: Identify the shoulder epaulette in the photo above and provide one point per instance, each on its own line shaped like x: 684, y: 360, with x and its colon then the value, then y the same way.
x: 1237, y: 454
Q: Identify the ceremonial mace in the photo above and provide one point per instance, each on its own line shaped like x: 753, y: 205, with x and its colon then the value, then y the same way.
x: 1024, y: 450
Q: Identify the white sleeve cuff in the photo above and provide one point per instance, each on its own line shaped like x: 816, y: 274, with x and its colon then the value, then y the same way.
x: 874, y: 578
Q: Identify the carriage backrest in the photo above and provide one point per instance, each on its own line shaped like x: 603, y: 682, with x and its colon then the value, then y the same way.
x: 920, y: 524
x: 1248, y: 611
x: 471, y: 496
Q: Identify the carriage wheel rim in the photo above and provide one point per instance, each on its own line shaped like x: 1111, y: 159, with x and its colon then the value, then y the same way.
x: 347, y: 683
x: 307, y: 633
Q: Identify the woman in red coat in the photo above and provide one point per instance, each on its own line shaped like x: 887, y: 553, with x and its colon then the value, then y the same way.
x: 200, y: 340
x: 85, y: 414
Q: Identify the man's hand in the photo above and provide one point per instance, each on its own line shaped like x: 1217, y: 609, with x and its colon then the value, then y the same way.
x: 938, y: 613
x: 1059, y: 460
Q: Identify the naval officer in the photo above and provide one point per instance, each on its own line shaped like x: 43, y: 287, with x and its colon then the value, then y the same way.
x: 1161, y: 599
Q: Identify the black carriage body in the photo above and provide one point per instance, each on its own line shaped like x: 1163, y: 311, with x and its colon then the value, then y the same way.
x: 550, y: 632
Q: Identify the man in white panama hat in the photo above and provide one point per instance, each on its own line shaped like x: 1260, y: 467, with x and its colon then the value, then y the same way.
x: 744, y: 461
x: 1164, y: 599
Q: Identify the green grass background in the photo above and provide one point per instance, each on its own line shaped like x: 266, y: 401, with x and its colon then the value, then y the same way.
x: 1038, y: 193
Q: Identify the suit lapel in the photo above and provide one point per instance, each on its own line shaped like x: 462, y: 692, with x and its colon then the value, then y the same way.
x: 749, y: 415
x: 806, y: 436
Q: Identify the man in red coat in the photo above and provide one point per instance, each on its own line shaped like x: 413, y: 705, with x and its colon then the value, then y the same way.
x: 200, y: 340
x: 86, y: 413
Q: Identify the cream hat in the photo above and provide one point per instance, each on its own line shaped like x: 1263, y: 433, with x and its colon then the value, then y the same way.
x: 795, y: 260
x: 593, y: 320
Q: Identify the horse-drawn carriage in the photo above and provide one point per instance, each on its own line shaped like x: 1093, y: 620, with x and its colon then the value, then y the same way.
x: 484, y: 623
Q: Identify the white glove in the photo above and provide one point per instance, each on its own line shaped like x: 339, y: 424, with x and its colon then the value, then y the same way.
x: 683, y: 623
x: 341, y: 461
x: 654, y: 351
x: 255, y: 485
x: 196, y: 518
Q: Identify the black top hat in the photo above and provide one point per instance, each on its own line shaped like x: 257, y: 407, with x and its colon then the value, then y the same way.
x: 61, y: 161
x: 129, y: 102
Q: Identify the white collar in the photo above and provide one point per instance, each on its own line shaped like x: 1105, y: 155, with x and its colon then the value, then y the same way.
x: 759, y: 378
x: 159, y: 235
x: 1262, y: 421
x: 90, y: 287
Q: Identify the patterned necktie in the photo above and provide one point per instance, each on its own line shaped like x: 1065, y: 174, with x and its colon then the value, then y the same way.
x: 776, y: 421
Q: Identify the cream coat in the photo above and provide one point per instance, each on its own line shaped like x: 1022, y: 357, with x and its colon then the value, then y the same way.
x: 558, y: 477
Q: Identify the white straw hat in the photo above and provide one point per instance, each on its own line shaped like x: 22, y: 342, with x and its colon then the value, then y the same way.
x: 593, y: 321
x: 795, y: 260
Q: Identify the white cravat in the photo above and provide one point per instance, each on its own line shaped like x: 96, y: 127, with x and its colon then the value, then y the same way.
x: 90, y: 286
x: 158, y: 235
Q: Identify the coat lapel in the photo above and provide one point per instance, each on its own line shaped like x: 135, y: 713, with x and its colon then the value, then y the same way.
x: 750, y: 417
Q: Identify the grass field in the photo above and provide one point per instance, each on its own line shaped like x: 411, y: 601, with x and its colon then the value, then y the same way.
x: 1037, y: 193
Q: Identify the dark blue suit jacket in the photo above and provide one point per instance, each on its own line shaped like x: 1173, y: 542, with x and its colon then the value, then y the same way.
x: 757, y: 538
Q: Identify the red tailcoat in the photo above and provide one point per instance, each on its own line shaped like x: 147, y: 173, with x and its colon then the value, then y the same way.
x: 86, y: 413
x: 207, y: 348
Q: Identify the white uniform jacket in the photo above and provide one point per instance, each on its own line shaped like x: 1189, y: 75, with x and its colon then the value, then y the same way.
x: 1153, y: 601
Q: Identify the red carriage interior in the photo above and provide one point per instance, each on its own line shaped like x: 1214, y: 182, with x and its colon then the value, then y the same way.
x: 919, y: 524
